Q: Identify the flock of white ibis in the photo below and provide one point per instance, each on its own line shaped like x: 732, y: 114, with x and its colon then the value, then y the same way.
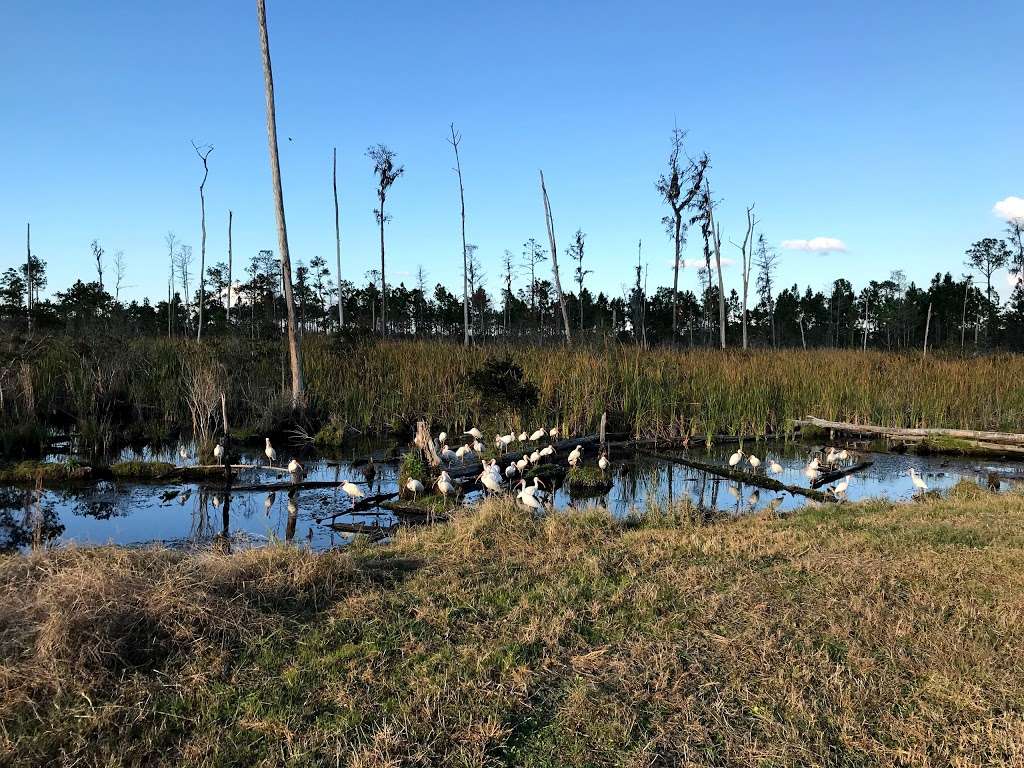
x: 494, y: 480
x: 821, y: 462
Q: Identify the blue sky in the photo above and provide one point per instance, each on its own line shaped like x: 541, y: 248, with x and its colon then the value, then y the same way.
x: 894, y: 127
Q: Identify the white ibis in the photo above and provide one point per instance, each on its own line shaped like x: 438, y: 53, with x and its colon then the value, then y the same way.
x: 547, y: 450
x: 736, y: 458
x: 476, y: 433
x: 510, y: 471
x: 753, y: 461
x: 535, y: 457
x: 218, y: 451
x: 530, y: 489
x: 843, y: 455
x: 478, y: 447
x: 576, y: 453
x: 775, y: 467
x: 352, y: 489
x: 442, y: 437
x: 504, y: 441
x: 445, y: 485
x: 490, y: 480
x: 270, y: 453
x: 447, y: 454
x: 296, y: 469
x: 530, y: 501
x: 918, y: 481
x: 553, y: 433
x: 523, y: 437
x: 603, y: 461
x: 414, y: 486
x: 461, y: 452
x: 182, y: 453
x: 537, y: 435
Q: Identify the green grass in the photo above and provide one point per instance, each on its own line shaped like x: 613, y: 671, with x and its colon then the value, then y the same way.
x: 846, y: 635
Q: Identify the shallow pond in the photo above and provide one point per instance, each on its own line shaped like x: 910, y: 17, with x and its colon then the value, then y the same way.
x: 195, y: 515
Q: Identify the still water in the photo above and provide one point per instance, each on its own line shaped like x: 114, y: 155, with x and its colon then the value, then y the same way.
x: 198, y: 515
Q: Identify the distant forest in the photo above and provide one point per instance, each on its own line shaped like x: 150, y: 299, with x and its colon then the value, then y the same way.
x: 888, y: 314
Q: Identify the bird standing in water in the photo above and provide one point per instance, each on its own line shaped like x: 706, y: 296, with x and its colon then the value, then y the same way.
x: 270, y: 453
x: 370, y: 471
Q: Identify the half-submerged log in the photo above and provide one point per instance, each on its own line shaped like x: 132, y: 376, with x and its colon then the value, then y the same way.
x: 997, y: 438
x: 828, y: 477
x: 750, y: 478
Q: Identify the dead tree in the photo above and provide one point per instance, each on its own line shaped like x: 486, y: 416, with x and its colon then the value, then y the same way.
x: 28, y: 273
x: 171, y: 242
x: 227, y: 310
x: 679, y: 188
x: 203, y: 153
x: 554, y: 257
x: 746, y: 254
x: 454, y: 141
x: 97, y: 253
x: 387, y: 173
x: 337, y: 242
x: 294, y: 352
x: 120, y: 270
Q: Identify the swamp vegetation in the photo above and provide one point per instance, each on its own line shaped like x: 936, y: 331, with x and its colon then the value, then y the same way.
x: 109, y: 392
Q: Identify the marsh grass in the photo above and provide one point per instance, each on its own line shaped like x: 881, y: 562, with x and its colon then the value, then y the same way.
x: 867, y: 634
x: 106, y: 386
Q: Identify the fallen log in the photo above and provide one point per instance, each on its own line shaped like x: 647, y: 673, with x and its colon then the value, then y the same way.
x: 749, y: 478
x: 304, y: 485
x: 828, y: 477
x: 373, y: 531
x: 1000, y: 438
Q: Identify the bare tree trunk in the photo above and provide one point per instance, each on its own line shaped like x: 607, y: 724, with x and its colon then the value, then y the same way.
x: 747, y: 253
x: 927, y: 328
x: 454, y: 141
x: 717, y: 239
x: 963, y: 319
x: 678, y: 225
x: 202, y: 245
x: 227, y: 311
x: 337, y: 242
x: 383, y: 283
x: 865, y: 323
x: 554, y: 257
x: 295, y: 354
x: 28, y: 273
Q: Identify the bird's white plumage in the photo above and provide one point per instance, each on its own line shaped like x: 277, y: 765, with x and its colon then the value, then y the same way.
x: 352, y: 489
x: 736, y: 458
x: 537, y: 435
x: 476, y: 433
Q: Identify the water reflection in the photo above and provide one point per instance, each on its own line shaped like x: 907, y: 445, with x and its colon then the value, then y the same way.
x: 194, y: 515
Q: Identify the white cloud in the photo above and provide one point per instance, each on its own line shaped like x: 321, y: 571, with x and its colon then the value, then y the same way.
x: 1010, y: 208
x: 816, y: 245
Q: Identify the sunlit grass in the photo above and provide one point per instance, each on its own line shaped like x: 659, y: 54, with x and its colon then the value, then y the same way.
x: 856, y: 634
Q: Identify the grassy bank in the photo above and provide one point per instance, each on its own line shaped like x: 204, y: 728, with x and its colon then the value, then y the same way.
x: 147, y: 388
x: 857, y: 635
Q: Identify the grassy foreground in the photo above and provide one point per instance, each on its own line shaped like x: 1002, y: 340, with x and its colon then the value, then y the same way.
x: 858, y: 635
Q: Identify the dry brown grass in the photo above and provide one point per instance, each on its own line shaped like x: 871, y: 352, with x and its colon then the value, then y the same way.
x: 874, y: 634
